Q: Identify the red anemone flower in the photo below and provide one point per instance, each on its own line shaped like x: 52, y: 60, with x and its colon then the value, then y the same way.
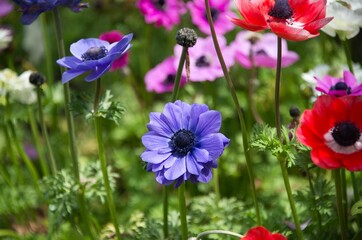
x: 260, y: 233
x: 294, y: 20
x: 333, y: 130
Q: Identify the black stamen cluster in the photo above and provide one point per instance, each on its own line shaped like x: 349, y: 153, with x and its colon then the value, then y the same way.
x: 182, y: 141
x: 281, y: 10
x: 95, y: 53
x: 346, y: 133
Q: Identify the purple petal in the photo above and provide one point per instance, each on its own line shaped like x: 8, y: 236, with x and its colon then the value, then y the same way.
x: 172, y: 115
x: 209, y: 122
x: 349, y: 79
x: 159, y: 126
x: 98, y: 72
x: 196, y: 110
x: 200, y: 155
x: 154, y: 157
x: 121, y: 46
x: 70, y: 74
x: 69, y: 62
x: 205, y: 176
x: 213, y: 143
x: 83, y: 45
x: 192, y: 166
x: 160, y: 178
x: 152, y: 141
x: 176, y: 170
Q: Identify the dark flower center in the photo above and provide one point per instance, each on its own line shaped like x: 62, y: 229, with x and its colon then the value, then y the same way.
x: 95, y: 53
x: 281, y: 10
x: 202, y: 61
x: 159, y: 4
x: 260, y: 52
x: 346, y: 133
x: 170, y: 79
x: 182, y: 141
x: 214, y: 14
x: 341, y: 86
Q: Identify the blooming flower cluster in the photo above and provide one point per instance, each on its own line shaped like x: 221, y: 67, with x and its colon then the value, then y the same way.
x: 93, y: 55
x: 290, y: 19
x: 32, y: 9
x: 183, y: 143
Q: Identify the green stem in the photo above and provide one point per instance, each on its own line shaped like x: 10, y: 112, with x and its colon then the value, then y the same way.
x: 244, y: 131
x: 222, y: 232
x: 38, y: 145
x: 45, y: 132
x: 282, y: 162
x: 25, y: 157
x: 48, y: 52
x: 182, y: 209
x: 176, y: 87
x: 340, y: 207
x: 12, y: 156
x: 165, y: 211
x: 216, y: 186
x: 102, y: 158
x: 348, y: 55
x: 70, y: 123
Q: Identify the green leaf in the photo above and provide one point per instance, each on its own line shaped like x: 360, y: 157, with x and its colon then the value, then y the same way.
x: 357, y: 208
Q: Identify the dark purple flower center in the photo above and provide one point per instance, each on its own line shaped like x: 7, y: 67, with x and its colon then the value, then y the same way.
x: 341, y: 86
x: 260, y: 52
x: 159, y: 4
x: 281, y: 10
x: 170, y: 79
x: 214, y: 14
x: 94, y: 53
x: 346, y: 133
x: 182, y: 141
x: 202, y: 61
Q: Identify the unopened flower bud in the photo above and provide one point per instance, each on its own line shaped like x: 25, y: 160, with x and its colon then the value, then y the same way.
x: 294, y: 112
x: 186, y: 37
x: 36, y: 79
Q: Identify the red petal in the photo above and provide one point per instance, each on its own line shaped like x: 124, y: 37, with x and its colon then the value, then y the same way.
x: 307, y: 133
x: 247, y: 25
x: 353, y: 162
x: 258, y: 233
x: 290, y: 33
x: 325, y: 158
x: 250, y: 11
x: 315, y: 26
x: 306, y: 12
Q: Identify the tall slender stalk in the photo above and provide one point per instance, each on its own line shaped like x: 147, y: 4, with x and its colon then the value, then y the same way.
x: 102, y: 158
x: 347, y: 51
x: 244, y: 131
x: 340, y: 206
x: 38, y: 145
x: 282, y: 162
x: 182, y: 209
x: 45, y: 132
x: 71, y: 131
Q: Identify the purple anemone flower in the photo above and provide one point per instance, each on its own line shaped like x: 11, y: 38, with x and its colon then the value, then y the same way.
x: 31, y: 9
x: 219, y: 10
x: 161, y: 78
x: 263, y: 48
x: 111, y: 37
x: 339, y: 87
x: 164, y: 13
x: 183, y: 143
x: 93, y: 55
x: 204, y: 63
x: 5, y: 8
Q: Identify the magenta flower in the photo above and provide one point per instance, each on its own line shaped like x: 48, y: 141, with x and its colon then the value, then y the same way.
x: 219, y: 10
x: 5, y: 8
x: 347, y: 85
x: 161, y: 78
x: 111, y: 37
x: 204, y: 64
x: 263, y: 47
x: 164, y: 13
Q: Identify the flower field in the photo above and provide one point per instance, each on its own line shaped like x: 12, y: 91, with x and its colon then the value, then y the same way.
x: 180, y: 119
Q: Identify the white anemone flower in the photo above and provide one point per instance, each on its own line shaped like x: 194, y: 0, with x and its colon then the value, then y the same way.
x: 347, y: 19
x: 5, y: 38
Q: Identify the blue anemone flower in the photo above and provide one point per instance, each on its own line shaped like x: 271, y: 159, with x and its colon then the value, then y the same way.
x: 183, y: 143
x: 31, y: 9
x: 93, y: 55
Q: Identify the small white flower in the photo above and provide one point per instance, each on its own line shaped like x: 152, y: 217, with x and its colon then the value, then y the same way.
x: 5, y: 38
x: 347, y: 19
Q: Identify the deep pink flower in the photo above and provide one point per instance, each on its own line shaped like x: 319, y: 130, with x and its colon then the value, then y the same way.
x: 164, y: 13
x: 263, y: 48
x: 5, y: 7
x: 161, y: 78
x: 219, y: 10
x: 347, y: 85
x: 204, y: 63
x: 111, y: 37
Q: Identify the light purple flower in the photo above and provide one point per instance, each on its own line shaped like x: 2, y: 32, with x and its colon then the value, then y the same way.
x: 164, y: 13
x: 161, y: 78
x: 219, y: 10
x: 204, y: 63
x: 263, y: 48
x: 183, y: 143
x: 347, y: 85
x: 93, y: 55
x: 5, y: 8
